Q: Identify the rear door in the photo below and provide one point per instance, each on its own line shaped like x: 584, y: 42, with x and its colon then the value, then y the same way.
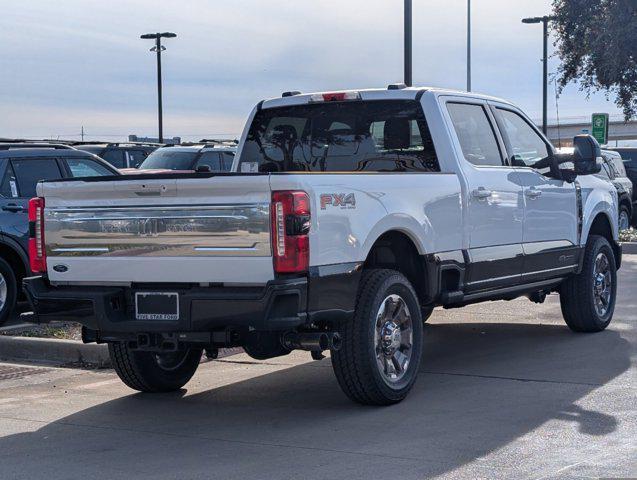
x: 550, y: 205
x: 494, y: 204
x: 19, y: 180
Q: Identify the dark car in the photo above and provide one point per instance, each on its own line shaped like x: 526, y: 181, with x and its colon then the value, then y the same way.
x: 21, y: 167
x: 629, y: 155
x: 215, y: 157
x: 613, y: 170
x: 120, y: 155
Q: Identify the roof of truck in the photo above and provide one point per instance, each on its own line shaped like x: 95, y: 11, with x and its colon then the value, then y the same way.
x: 396, y: 91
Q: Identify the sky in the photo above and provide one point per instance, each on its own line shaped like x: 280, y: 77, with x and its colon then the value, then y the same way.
x: 70, y: 63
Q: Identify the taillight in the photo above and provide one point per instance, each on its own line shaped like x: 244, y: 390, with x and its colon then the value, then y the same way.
x: 290, y: 217
x: 37, y: 253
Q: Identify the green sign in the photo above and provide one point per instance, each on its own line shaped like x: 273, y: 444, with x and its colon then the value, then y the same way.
x: 600, y: 127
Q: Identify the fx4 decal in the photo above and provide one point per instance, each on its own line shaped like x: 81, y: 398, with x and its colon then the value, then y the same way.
x: 342, y: 200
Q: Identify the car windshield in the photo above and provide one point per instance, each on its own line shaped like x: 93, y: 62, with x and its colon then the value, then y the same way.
x: 166, y: 158
x: 95, y: 149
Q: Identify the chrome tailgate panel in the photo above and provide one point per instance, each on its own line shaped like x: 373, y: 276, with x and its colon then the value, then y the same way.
x: 182, y: 230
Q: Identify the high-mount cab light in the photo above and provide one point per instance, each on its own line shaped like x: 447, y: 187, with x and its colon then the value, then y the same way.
x: 291, y: 93
x: 335, y: 97
x: 396, y: 86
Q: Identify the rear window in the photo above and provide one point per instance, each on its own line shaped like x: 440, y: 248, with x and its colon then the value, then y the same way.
x: 165, y: 158
x: 381, y: 136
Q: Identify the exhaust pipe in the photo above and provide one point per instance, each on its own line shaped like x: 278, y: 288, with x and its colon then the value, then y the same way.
x: 311, y: 341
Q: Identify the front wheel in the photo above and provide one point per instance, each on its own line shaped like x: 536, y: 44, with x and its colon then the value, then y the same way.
x: 8, y: 291
x: 153, y: 372
x: 624, y: 218
x: 588, y: 298
x: 382, y: 344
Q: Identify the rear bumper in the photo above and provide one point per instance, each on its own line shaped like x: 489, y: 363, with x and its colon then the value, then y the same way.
x: 279, y: 305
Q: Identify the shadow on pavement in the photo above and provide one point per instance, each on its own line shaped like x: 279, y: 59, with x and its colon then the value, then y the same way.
x: 481, y: 387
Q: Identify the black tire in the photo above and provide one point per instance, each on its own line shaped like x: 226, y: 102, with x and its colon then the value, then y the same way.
x: 355, y: 364
x: 143, y: 371
x: 623, y: 210
x: 577, y: 297
x: 8, y: 290
x: 425, y: 313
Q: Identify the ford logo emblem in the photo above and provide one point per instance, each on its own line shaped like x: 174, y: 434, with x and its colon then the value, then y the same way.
x: 60, y: 268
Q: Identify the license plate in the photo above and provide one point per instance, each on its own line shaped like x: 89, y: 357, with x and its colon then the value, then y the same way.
x: 156, y: 306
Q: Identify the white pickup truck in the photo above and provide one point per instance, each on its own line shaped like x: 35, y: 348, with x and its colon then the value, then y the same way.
x: 348, y: 216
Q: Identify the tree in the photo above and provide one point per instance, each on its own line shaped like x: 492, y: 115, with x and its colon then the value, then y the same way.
x: 597, y: 44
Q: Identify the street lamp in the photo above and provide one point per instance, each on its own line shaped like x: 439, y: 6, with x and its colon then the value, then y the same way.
x: 468, y: 45
x: 407, y: 49
x: 158, y: 48
x: 545, y: 23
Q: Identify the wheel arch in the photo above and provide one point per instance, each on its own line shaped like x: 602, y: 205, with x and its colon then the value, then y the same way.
x: 602, y: 225
x: 16, y: 257
x: 396, y: 249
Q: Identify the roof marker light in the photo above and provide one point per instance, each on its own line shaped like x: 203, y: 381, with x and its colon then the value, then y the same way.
x: 335, y: 97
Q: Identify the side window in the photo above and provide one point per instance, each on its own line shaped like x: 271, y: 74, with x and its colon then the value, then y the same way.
x: 30, y: 171
x: 9, y: 187
x: 475, y: 134
x: 527, y: 146
x: 115, y: 158
x: 227, y: 159
x: 85, y: 167
x: 211, y: 159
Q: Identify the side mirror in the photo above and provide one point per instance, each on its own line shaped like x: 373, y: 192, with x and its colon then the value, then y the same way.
x: 586, y: 155
x: 203, y: 169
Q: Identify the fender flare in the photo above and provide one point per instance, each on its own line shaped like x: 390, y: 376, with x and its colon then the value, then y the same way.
x: 15, y: 246
x: 405, y: 224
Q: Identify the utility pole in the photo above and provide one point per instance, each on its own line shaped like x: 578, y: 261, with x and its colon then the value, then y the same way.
x: 158, y: 48
x: 545, y: 72
x: 82, y: 134
x: 468, y: 45
x: 407, y: 49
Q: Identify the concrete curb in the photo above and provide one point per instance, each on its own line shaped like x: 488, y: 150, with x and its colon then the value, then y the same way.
x: 53, y: 351
x: 629, y: 248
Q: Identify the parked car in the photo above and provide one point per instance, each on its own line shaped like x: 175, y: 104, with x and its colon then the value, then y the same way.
x: 120, y: 155
x: 353, y: 214
x: 629, y: 156
x: 614, y: 170
x: 188, y: 158
x: 21, y: 167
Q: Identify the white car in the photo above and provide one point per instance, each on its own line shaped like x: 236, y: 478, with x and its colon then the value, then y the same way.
x: 348, y: 217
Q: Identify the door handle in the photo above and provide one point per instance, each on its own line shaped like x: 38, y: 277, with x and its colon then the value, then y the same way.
x: 533, y: 192
x: 481, y: 193
x: 13, y: 208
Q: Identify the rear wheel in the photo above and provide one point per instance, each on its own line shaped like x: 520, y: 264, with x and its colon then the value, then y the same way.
x: 588, y: 299
x: 382, y: 344
x: 154, y: 372
x: 8, y: 291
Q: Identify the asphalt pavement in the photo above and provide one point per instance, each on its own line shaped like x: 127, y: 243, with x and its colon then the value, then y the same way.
x: 505, y: 391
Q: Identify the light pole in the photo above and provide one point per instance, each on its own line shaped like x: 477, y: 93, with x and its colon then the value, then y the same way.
x: 468, y: 45
x: 545, y: 73
x: 158, y: 48
x: 407, y: 49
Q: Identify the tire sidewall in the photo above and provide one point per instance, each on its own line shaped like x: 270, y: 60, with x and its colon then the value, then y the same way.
x: 12, y: 291
x: 396, y: 284
x: 602, y: 246
x: 623, y: 209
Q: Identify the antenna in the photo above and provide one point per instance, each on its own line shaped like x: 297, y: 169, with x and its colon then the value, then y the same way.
x: 557, y: 111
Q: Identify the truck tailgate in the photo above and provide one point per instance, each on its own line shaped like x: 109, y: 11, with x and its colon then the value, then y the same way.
x: 170, y: 229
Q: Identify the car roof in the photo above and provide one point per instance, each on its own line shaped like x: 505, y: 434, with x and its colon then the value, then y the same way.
x: 42, y: 152
x: 199, y: 147
x: 395, y: 93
